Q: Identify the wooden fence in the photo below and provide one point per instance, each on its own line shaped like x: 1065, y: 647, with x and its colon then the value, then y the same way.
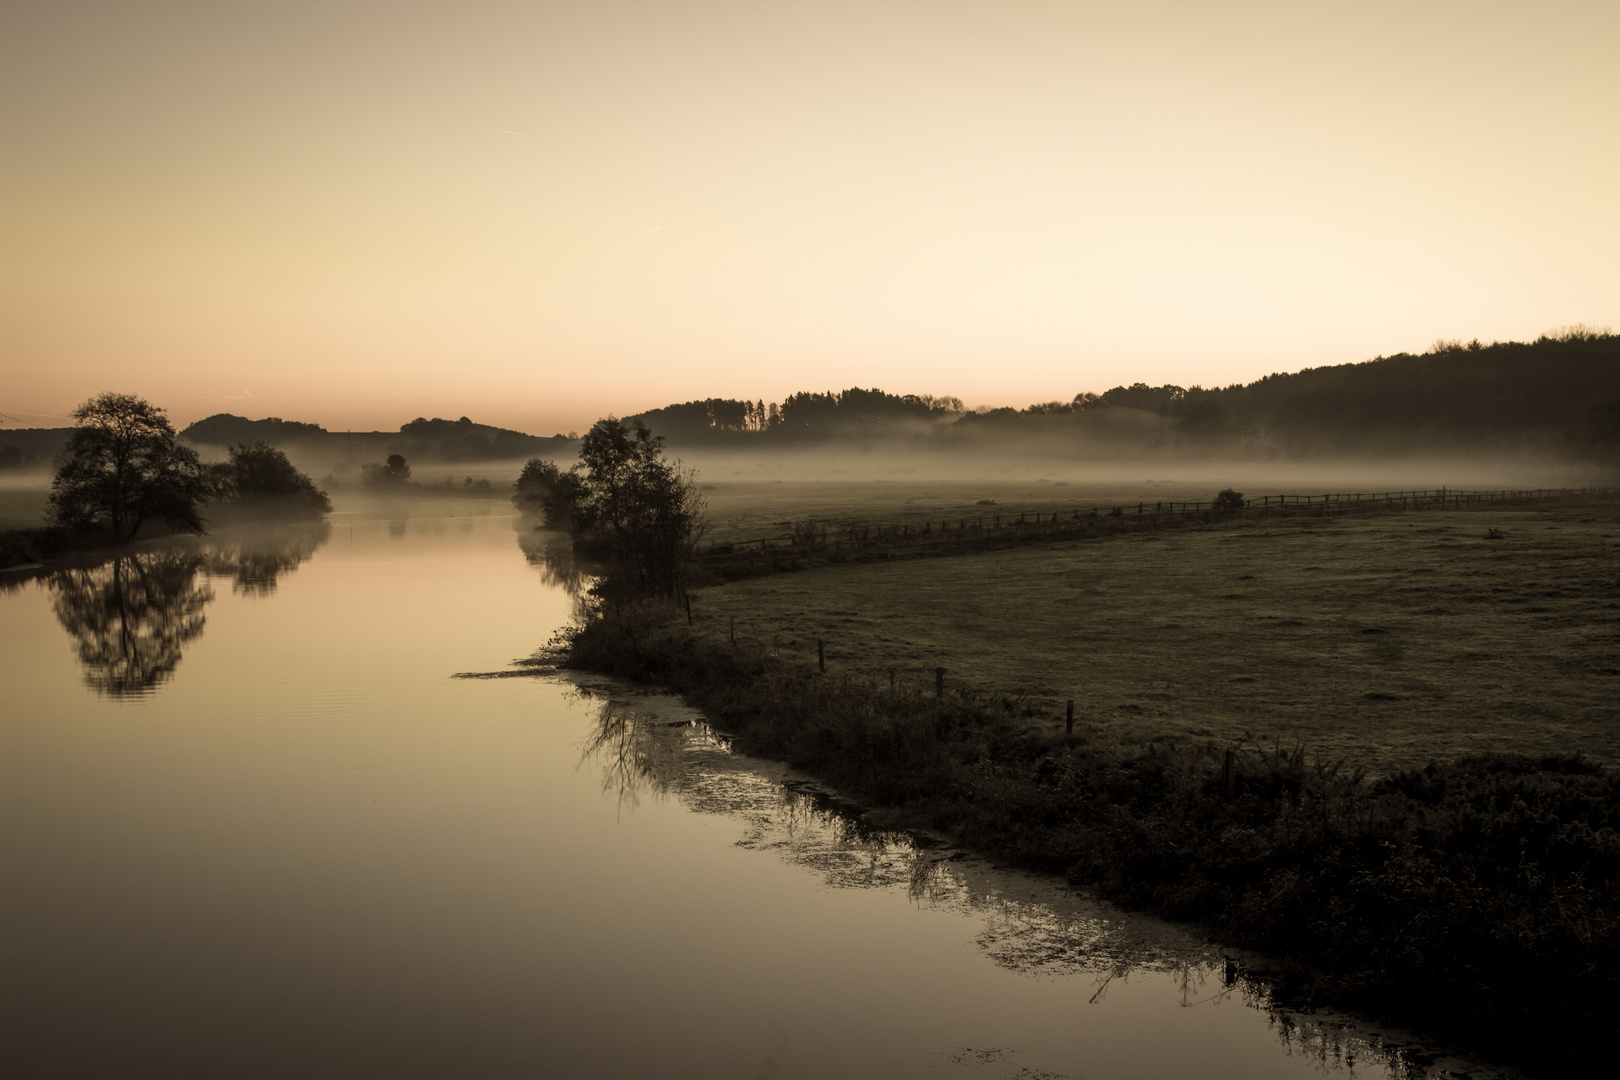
x: 865, y: 540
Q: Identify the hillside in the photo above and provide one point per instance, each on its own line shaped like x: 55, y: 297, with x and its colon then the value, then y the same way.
x: 31, y: 448
x: 1559, y: 393
x: 419, y: 440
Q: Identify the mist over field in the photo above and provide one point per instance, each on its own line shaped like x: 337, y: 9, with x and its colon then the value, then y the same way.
x: 875, y: 539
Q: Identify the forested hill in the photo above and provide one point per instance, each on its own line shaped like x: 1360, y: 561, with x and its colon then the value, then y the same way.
x: 421, y: 439
x: 227, y: 429
x: 1559, y: 392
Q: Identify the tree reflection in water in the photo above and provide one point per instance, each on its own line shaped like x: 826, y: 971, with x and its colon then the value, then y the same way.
x: 258, y: 561
x: 658, y: 748
x: 553, y: 554
x: 132, y: 615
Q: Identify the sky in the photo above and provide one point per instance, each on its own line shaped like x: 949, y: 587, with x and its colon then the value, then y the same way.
x: 535, y: 214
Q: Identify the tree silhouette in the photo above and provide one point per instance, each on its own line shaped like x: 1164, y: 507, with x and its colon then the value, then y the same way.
x: 637, y: 510
x: 260, y: 475
x: 542, y: 488
x: 394, y: 474
x: 124, y: 467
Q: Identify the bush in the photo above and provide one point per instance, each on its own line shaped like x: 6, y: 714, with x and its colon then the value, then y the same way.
x: 259, y: 476
x: 1229, y: 500
x: 544, y: 489
x: 393, y: 475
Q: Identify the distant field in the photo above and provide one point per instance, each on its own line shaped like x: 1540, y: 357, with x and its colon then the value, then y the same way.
x: 22, y: 508
x: 750, y: 509
x: 745, y: 510
x: 1387, y: 639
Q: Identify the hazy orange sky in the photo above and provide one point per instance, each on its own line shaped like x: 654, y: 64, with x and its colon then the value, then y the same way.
x: 537, y: 213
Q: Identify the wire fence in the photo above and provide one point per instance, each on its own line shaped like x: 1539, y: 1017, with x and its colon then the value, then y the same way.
x: 813, y: 539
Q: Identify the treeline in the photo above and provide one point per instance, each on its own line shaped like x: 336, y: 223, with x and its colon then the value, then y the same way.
x: 802, y: 415
x: 1560, y: 391
x: 422, y: 439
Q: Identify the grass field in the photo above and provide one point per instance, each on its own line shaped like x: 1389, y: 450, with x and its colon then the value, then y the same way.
x: 1386, y: 640
x: 746, y: 510
x: 23, y: 507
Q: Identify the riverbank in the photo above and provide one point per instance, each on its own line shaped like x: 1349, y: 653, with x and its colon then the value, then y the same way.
x: 30, y: 547
x: 1475, y: 897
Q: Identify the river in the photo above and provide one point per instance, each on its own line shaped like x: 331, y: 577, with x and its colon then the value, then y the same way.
x: 252, y: 825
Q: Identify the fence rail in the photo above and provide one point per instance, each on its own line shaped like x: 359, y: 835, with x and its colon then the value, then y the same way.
x: 865, y: 540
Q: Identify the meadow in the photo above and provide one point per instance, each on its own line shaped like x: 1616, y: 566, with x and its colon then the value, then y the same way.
x: 1384, y: 640
x: 23, y: 506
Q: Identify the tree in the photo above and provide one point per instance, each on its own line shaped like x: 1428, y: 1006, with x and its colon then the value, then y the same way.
x: 125, y: 466
x: 637, y: 510
x: 542, y: 488
x: 1228, y: 500
x: 394, y: 474
x: 260, y: 475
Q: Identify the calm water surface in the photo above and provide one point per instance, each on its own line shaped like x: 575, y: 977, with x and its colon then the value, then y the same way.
x: 250, y: 825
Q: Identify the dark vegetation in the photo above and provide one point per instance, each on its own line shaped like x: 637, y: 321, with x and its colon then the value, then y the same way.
x: 125, y: 466
x: 432, y: 440
x: 629, y: 508
x: 1560, y: 392
x: 12, y: 459
x: 24, y: 449
x: 260, y: 480
x: 389, y: 475
x: 125, y: 469
x: 1478, y: 898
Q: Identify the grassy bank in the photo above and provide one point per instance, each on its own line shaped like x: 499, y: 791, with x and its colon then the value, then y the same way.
x: 1476, y: 899
x: 1353, y: 744
x: 1387, y: 640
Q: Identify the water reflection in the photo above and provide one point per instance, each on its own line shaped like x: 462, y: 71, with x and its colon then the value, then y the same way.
x: 131, y: 615
x: 655, y: 748
x: 553, y: 554
x: 258, y: 561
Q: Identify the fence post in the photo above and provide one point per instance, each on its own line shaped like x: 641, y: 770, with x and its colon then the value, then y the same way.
x: 939, y: 682
x: 688, y: 598
x: 734, y: 631
x: 1231, y: 773
x: 1068, y: 721
x: 821, y: 654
